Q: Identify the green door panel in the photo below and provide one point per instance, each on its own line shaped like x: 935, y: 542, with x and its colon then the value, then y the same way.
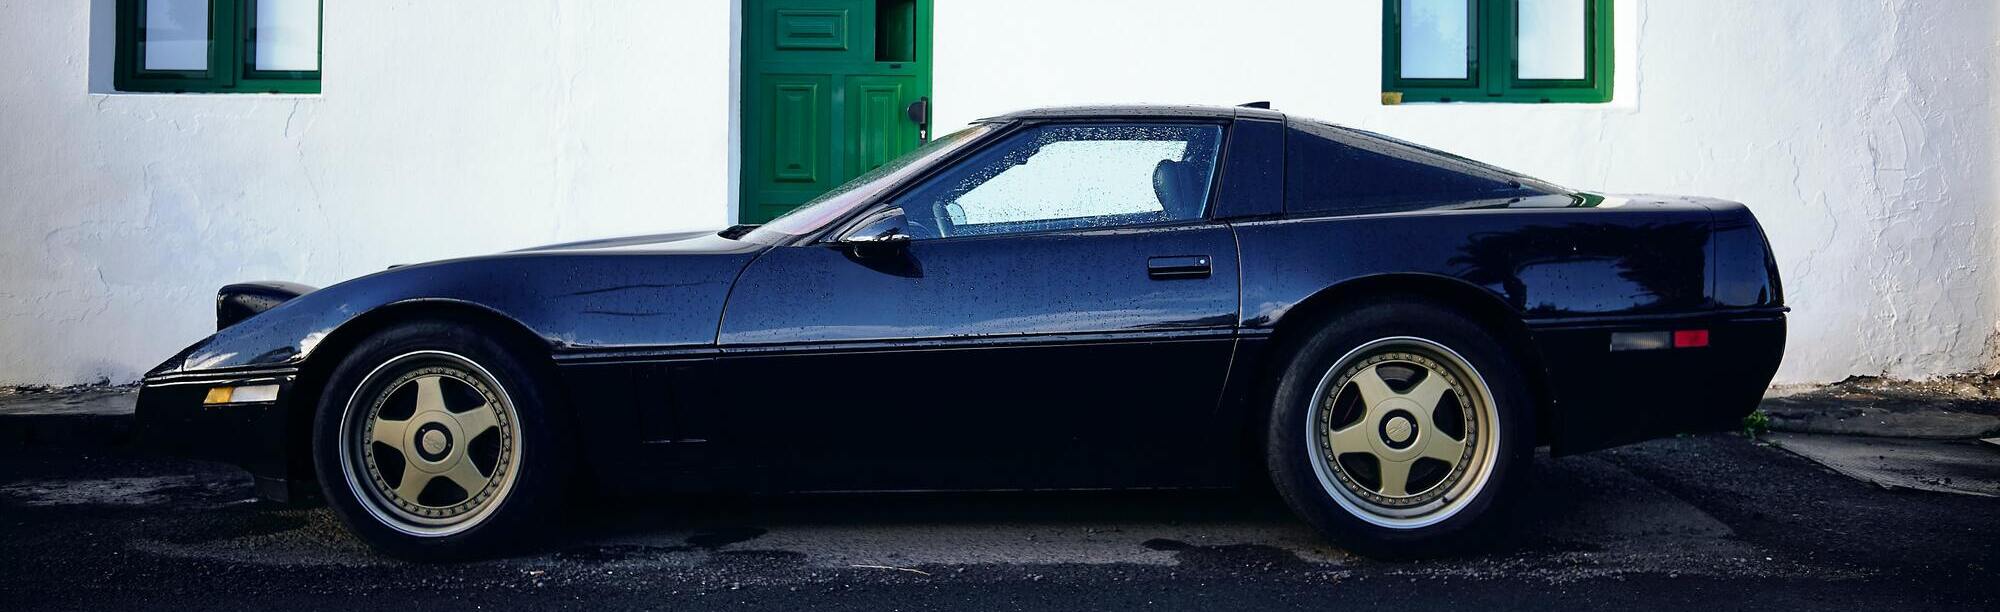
x: 879, y: 121
x: 795, y: 162
x: 812, y: 29
x: 798, y: 120
x: 827, y: 86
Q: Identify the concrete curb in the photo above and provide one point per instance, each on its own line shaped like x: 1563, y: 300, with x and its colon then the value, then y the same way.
x: 91, y: 417
x: 65, y: 431
x: 1943, y: 466
x: 1882, y: 412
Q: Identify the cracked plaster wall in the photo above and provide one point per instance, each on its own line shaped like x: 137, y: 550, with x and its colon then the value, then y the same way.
x: 1860, y: 131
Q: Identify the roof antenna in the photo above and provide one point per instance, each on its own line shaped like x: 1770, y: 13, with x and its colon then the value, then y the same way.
x: 1263, y: 104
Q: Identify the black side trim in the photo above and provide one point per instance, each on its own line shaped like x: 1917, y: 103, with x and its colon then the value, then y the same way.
x: 1586, y: 322
x: 222, y: 376
x: 877, y: 346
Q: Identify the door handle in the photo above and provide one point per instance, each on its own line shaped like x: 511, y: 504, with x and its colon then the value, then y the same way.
x: 920, y: 113
x: 1182, y: 266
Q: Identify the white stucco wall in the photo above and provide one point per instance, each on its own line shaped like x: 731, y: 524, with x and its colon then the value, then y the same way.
x: 1860, y: 131
x: 445, y: 128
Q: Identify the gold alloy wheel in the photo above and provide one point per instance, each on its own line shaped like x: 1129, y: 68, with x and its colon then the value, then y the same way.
x: 1402, y: 432
x: 434, y: 445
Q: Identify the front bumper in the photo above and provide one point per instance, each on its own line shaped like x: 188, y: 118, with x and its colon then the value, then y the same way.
x: 257, y: 436
x: 1604, y: 398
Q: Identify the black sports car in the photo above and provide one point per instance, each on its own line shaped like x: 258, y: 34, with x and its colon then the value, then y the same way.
x: 1052, y: 299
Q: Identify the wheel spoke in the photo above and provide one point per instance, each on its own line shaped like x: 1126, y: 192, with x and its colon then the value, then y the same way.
x: 1395, y: 477
x: 430, y: 395
x: 1427, y: 394
x: 392, y: 433
x: 476, y: 421
x: 467, y: 476
x: 1441, y: 447
x: 413, y: 481
x: 1373, y: 389
x: 1352, y: 439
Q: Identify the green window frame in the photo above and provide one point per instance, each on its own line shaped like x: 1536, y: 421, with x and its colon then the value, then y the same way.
x: 232, y: 55
x: 1493, y: 60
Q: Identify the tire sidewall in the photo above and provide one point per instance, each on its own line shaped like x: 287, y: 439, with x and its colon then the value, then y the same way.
x: 542, y: 454
x: 1289, y: 435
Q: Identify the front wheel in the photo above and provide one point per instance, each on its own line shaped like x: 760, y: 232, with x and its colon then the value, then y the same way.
x: 434, y: 441
x: 1398, y: 427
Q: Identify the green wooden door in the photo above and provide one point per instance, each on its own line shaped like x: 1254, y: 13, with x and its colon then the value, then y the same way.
x: 827, y: 92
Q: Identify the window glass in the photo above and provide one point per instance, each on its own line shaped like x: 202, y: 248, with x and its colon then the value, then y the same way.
x: 176, y: 34
x: 287, y: 35
x: 1068, y: 177
x: 1078, y: 178
x: 1436, y: 36
x: 1329, y: 168
x: 1552, y: 39
x: 218, y: 46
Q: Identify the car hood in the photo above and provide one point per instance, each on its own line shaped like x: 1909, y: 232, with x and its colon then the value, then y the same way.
x: 698, y: 241
x: 658, y: 291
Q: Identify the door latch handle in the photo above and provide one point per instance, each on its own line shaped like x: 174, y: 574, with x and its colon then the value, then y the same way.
x: 1181, y: 266
x: 920, y: 113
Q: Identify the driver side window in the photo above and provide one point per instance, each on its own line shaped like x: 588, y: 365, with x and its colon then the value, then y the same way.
x: 1058, y: 177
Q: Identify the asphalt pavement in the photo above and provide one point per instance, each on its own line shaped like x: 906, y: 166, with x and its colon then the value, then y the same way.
x: 1716, y: 521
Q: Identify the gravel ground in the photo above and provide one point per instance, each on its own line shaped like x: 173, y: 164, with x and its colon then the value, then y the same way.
x: 1701, y: 521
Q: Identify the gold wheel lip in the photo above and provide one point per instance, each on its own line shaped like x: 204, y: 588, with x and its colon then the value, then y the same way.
x: 401, y: 520
x: 1422, y: 515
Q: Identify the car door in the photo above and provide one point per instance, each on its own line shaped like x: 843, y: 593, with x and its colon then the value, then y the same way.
x: 1053, y: 310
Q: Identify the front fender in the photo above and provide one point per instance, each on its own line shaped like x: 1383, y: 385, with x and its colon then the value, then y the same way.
x: 570, y: 300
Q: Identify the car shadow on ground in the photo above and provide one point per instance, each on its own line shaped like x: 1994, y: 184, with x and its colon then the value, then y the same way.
x: 1575, y: 508
x: 1573, y: 505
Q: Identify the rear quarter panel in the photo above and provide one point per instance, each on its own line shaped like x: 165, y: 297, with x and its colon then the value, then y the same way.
x: 1541, y: 263
x: 1572, y: 276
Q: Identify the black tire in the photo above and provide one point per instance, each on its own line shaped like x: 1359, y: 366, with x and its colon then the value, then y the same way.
x: 1334, y: 496
x: 527, y: 447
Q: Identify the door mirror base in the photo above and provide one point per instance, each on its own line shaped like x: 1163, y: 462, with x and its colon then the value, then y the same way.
x: 880, y: 234
x: 889, y: 244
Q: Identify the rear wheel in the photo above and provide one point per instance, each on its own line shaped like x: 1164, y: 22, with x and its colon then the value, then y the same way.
x: 1398, y: 426
x: 435, y: 441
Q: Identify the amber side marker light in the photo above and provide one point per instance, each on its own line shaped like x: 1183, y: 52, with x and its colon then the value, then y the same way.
x: 241, y: 395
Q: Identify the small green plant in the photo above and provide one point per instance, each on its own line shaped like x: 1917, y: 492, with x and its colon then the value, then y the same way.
x: 1756, y: 424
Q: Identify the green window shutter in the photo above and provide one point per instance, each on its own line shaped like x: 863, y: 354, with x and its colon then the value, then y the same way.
x: 212, y: 46
x: 1516, y: 51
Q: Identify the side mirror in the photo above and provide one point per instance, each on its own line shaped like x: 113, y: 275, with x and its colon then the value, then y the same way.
x: 886, y: 244
x: 881, y: 235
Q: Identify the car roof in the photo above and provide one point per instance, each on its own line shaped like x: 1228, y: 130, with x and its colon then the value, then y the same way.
x: 1148, y: 111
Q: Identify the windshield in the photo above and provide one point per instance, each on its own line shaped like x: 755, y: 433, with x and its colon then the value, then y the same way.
x: 843, y: 199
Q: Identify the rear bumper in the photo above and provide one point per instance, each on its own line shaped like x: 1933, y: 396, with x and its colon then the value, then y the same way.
x: 1603, y: 398
x: 172, y: 419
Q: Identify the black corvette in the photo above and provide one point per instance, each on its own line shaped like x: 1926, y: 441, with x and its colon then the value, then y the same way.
x: 1055, y: 299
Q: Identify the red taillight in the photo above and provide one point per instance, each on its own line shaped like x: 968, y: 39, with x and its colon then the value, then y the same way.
x: 1691, y: 338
